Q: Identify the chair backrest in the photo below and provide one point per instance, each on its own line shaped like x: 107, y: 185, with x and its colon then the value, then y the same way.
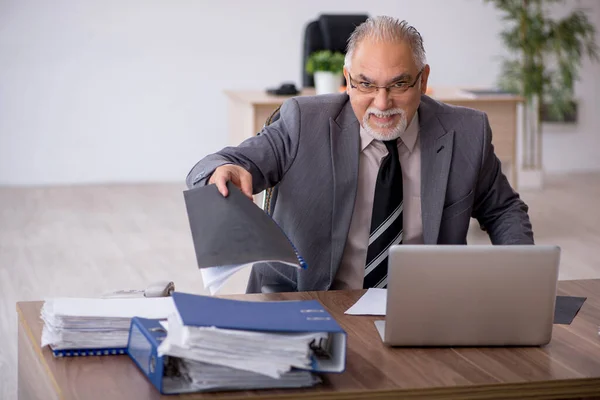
x: 328, y: 32
x: 271, y: 193
x: 268, y: 207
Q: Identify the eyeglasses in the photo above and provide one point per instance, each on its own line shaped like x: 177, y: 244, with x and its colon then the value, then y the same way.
x: 395, y: 88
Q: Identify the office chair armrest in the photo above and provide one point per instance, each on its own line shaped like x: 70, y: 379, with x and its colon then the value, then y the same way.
x: 276, y: 288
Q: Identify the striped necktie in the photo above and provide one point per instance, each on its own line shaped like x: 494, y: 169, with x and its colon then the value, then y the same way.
x: 386, y: 219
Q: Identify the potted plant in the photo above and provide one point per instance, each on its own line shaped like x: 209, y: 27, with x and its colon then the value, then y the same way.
x: 546, y: 55
x: 326, y: 67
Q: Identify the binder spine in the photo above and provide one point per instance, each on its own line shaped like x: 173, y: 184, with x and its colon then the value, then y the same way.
x: 142, y: 349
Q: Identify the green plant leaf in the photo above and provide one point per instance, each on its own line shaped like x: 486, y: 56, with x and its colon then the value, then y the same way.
x: 325, y: 60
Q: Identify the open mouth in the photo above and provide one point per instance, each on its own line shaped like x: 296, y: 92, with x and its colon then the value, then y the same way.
x: 383, y: 120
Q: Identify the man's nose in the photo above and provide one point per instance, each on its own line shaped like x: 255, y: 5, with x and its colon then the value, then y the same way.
x: 382, y: 99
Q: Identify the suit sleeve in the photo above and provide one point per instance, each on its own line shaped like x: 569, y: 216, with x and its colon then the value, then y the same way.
x: 266, y: 156
x: 498, y: 208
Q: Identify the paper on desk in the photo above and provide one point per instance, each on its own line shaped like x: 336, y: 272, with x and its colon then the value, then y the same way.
x: 373, y: 302
x: 81, y: 308
x: 83, y: 323
x: 271, y: 354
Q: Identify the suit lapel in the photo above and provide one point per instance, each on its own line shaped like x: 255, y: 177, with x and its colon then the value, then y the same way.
x: 345, y: 144
x: 436, y: 154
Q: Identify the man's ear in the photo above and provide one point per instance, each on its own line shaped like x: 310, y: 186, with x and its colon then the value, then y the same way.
x: 345, y: 71
x: 425, y: 78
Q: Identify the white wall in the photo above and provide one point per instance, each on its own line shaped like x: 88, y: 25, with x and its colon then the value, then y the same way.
x: 124, y: 90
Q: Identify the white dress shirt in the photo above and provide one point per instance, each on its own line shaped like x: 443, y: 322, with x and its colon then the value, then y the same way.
x: 352, y: 268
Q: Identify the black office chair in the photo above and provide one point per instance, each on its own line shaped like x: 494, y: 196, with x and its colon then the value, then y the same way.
x: 270, y: 197
x: 328, y: 32
x: 271, y: 193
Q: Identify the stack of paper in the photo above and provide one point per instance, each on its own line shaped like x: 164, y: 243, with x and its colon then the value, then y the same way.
x: 264, y: 353
x: 206, y: 376
x: 101, y: 325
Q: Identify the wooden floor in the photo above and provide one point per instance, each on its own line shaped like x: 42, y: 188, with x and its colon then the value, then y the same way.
x: 87, y: 240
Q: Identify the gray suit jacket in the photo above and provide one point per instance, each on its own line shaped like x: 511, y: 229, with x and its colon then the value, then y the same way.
x: 312, y: 152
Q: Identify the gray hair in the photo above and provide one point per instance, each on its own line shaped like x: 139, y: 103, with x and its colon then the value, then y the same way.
x: 383, y: 28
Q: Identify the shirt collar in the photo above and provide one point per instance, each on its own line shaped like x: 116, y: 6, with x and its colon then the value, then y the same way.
x: 408, y: 137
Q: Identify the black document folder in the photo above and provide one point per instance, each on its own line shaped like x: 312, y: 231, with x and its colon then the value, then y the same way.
x: 232, y: 231
x: 567, y: 308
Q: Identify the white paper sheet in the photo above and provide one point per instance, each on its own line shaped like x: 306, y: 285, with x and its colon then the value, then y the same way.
x: 145, y: 307
x: 83, y: 323
x: 215, y: 277
x: 272, y: 354
x: 371, y: 303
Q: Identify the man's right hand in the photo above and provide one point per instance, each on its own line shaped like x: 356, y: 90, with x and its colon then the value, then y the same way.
x: 234, y: 173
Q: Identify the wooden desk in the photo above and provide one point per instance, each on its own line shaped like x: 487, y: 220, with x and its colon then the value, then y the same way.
x: 248, y: 110
x: 568, y: 367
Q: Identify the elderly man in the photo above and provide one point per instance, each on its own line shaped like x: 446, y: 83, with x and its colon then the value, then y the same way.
x: 380, y: 165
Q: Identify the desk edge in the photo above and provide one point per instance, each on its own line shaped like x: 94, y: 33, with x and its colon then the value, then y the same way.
x: 37, y: 350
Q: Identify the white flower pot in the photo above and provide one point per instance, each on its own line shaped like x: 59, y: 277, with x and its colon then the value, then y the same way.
x: 327, y: 82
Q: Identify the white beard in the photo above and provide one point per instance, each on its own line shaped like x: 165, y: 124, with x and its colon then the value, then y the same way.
x: 393, y: 131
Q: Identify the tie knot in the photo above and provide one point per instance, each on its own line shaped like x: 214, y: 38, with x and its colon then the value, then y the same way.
x: 391, y: 145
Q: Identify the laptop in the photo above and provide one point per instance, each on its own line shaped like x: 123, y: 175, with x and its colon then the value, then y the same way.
x: 470, y: 295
